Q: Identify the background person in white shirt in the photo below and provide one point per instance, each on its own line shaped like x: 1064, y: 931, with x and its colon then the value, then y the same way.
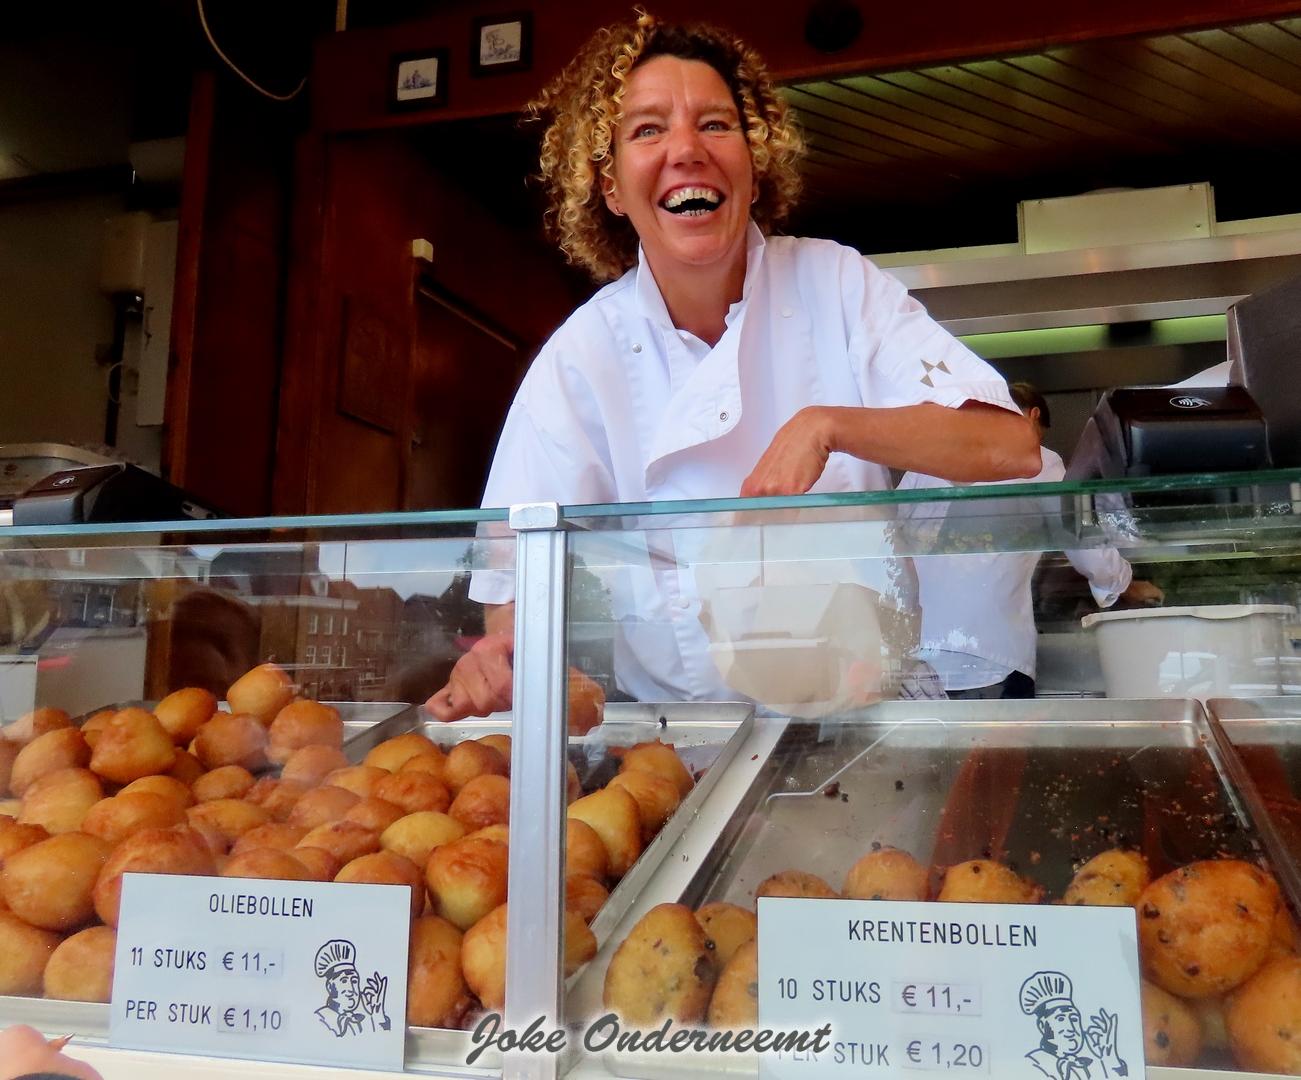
x: 978, y: 628
x: 721, y: 360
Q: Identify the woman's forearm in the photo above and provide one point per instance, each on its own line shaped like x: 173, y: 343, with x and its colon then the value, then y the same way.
x: 973, y: 443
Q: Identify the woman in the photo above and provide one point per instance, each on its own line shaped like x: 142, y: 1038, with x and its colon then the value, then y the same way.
x: 721, y: 360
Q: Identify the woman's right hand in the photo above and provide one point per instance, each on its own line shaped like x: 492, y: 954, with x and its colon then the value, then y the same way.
x: 481, y: 682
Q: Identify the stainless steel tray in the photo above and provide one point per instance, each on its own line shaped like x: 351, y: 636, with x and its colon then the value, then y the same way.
x: 1052, y: 783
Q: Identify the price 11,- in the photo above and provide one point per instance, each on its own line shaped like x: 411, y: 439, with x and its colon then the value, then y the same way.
x: 249, y: 1021
x: 260, y: 962
x: 948, y: 999
x: 928, y: 1053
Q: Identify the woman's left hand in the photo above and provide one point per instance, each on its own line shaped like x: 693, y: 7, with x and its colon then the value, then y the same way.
x: 794, y: 459
x: 24, y: 1050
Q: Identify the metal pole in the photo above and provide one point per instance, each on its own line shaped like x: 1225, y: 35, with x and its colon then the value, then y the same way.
x: 534, y: 922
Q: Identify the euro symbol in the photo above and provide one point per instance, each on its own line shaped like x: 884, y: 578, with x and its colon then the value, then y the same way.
x: 910, y: 996
x: 915, y: 1051
x: 229, y: 1019
x: 228, y: 961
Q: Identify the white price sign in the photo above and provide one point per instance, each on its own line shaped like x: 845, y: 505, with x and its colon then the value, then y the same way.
x: 302, y: 971
x: 1003, y: 990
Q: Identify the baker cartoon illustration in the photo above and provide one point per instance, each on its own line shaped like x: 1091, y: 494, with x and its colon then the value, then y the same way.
x: 1067, y: 1050
x: 350, y: 1008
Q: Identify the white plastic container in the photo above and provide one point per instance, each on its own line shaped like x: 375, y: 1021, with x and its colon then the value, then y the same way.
x: 1231, y: 650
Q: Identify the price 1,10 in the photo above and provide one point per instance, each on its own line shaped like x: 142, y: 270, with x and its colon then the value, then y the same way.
x: 253, y: 962
x: 928, y: 1053
x: 950, y: 999
x: 250, y: 1020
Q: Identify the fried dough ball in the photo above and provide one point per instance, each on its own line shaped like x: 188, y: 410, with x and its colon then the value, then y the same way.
x: 226, y: 782
x: 664, y: 969
x: 416, y: 835
x: 500, y: 833
x: 466, y: 879
x: 656, y: 798
x: 796, y: 883
x: 1112, y: 879
x: 1210, y: 1014
x: 321, y: 806
x: 435, y: 764
x: 1263, y: 1017
x: 178, y: 850
x: 187, y: 768
x: 346, y: 840
x: 59, y: 801
x: 131, y: 745
x: 81, y: 967
x: 1172, y: 1034
x: 728, y: 926
x: 216, y: 840
x: 167, y: 786
x: 470, y: 759
x: 585, y: 895
x: 359, y: 779
x: 277, y: 797
x: 1206, y: 927
x: 584, y: 851
x: 393, y: 753
x: 304, y: 723
x: 261, y: 693
x: 586, y: 703
x: 275, y: 834
x: 483, y: 953
x: 662, y: 760
x: 130, y: 811
x: 63, y: 748
x: 483, y: 800
x: 183, y: 712
x: 232, y: 739
x: 16, y: 835
x: 321, y: 865
x: 49, y: 884
x: 613, y: 813
x: 983, y: 881
x: 436, y: 990
x: 500, y: 743
x: 267, y: 863
x: 1282, y: 934
x: 735, y: 1001
x: 91, y: 728
x: 36, y: 723
x: 386, y: 868
x: 413, y: 791
x: 230, y: 817
x: 312, y: 764
x: 377, y: 814
x: 886, y: 874
x: 8, y: 751
x: 24, y: 952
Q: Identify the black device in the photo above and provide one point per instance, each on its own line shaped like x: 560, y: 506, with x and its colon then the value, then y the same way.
x: 112, y: 492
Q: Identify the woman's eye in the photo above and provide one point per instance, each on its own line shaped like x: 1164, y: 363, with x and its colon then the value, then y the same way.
x: 717, y: 125
x: 644, y: 130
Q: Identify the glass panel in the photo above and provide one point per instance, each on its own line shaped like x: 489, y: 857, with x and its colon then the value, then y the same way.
x: 366, y: 620
x: 820, y: 614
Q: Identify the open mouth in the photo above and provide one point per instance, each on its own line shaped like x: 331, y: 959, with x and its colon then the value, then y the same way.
x: 692, y: 201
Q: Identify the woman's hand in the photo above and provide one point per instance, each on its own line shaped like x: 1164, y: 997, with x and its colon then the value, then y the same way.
x: 794, y: 459
x: 24, y: 1050
x: 481, y: 682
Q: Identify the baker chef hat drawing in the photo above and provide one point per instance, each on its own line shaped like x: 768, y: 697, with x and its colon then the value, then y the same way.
x: 335, y: 954
x: 1045, y: 990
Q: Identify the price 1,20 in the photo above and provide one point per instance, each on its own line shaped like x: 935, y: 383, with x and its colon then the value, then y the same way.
x: 245, y: 1020
x: 930, y: 1054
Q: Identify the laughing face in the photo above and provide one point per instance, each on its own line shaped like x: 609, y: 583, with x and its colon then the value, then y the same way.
x: 682, y: 167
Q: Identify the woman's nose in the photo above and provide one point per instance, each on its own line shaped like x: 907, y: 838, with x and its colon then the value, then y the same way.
x: 685, y: 145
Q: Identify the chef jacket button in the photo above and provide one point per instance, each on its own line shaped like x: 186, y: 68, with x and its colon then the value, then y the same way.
x: 723, y: 417
x: 787, y: 313
x: 636, y: 348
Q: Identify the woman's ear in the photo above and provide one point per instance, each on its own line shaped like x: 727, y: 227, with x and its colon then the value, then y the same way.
x: 611, y: 199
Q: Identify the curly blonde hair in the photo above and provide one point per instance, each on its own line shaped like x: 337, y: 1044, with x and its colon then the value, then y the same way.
x: 583, y: 108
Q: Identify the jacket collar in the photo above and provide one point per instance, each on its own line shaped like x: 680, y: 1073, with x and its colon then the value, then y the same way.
x: 650, y: 302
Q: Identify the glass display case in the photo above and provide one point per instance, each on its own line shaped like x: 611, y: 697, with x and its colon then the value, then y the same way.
x: 712, y: 702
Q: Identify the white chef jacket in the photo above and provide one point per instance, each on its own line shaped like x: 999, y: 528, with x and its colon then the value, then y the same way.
x: 621, y: 406
x: 977, y: 610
